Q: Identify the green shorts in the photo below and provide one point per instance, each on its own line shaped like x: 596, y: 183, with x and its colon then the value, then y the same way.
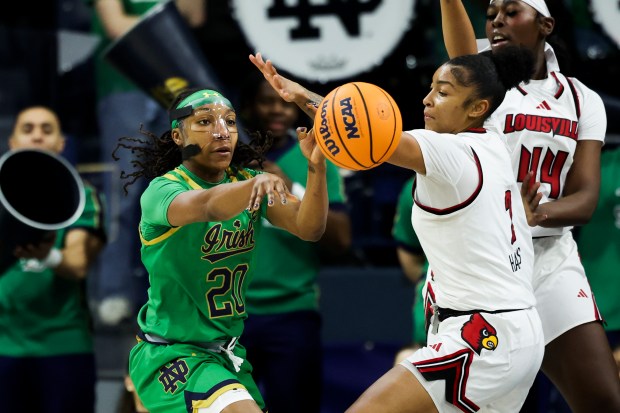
x: 181, y: 377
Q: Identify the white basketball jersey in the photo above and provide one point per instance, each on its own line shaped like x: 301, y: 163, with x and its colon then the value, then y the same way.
x: 479, y: 248
x: 541, y: 123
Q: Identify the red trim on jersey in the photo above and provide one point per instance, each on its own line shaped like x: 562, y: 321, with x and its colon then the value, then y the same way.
x: 520, y: 89
x: 597, y: 314
x: 575, y: 97
x: 476, y: 130
x: 449, y: 210
x: 454, y: 370
x: 560, y: 86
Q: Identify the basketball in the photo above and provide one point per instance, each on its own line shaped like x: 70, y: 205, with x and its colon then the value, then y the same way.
x: 358, y: 126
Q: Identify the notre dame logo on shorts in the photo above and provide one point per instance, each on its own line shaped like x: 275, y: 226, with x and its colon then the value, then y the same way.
x: 171, y: 373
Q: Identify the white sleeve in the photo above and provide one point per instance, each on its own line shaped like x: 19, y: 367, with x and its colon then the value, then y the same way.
x: 593, y: 119
x: 451, y: 172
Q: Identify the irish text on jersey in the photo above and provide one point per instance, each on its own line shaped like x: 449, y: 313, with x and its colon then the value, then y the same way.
x: 220, y: 243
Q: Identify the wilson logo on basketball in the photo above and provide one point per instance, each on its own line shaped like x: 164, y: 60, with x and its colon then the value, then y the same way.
x: 330, y: 144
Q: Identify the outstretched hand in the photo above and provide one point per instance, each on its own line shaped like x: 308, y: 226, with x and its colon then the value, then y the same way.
x: 288, y: 90
x: 267, y: 185
x: 531, y: 199
x: 309, y: 147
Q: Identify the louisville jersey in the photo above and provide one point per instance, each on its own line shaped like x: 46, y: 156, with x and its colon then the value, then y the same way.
x: 479, y: 247
x: 199, y: 271
x: 541, y: 122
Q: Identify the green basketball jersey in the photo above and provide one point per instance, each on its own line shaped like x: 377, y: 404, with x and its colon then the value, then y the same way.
x: 599, y: 241
x: 287, y: 266
x: 198, y: 273
x: 41, y: 313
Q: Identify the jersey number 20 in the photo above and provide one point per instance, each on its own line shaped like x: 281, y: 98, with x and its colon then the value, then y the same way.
x: 226, y: 299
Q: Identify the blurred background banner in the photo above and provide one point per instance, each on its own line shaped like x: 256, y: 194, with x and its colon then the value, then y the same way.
x: 162, y: 56
x: 324, y: 40
x: 607, y: 14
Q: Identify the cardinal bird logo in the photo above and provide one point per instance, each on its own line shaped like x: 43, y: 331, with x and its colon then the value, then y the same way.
x: 479, y: 334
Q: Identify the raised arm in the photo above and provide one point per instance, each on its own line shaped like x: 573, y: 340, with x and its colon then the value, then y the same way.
x: 458, y: 33
x: 288, y: 90
x: 306, y: 218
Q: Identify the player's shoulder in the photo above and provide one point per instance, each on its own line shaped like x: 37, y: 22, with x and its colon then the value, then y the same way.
x: 584, y: 91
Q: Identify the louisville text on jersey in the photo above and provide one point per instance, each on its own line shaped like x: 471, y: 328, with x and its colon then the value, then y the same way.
x: 544, y: 124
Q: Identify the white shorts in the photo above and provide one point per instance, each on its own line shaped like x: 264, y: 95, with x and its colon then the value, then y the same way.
x: 481, y: 362
x: 564, y: 298
x: 226, y: 399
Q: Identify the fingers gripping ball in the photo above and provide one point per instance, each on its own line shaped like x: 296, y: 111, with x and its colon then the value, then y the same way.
x: 358, y: 126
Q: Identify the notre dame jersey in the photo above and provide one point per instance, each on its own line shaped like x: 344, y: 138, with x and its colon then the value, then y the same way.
x: 199, y: 272
x: 41, y: 313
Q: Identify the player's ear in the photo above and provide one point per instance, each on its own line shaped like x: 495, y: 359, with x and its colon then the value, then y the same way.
x: 176, y: 136
x: 546, y: 25
x: 479, y: 108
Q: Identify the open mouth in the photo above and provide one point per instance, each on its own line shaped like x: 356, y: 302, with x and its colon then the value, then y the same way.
x: 499, y: 40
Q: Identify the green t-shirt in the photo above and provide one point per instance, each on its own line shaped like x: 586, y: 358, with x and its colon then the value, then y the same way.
x: 108, y: 79
x: 599, y: 242
x: 43, y: 314
x: 198, y: 273
x: 286, y: 266
x: 405, y: 237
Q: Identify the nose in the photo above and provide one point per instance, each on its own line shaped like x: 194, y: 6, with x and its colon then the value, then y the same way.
x: 221, y: 129
x: 427, y: 100
x: 498, y: 21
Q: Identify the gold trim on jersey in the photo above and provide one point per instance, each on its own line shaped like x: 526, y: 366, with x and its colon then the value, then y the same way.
x: 187, y: 179
x: 160, y: 238
x: 231, y: 175
x: 198, y: 404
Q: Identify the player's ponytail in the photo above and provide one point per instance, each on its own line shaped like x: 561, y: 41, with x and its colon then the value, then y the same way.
x: 492, y: 74
x: 513, y: 65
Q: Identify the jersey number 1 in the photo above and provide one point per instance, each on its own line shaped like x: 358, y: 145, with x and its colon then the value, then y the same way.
x: 508, y: 205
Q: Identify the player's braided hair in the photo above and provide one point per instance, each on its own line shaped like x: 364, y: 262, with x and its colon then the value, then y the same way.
x: 491, y: 74
x: 154, y: 155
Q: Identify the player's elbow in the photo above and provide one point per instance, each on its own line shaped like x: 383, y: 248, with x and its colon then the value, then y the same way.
x: 313, y: 234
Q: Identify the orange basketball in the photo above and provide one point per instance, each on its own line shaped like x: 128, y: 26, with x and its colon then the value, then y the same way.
x: 358, y: 126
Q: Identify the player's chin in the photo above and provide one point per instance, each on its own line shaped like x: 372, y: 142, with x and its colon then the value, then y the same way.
x: 221, y: 159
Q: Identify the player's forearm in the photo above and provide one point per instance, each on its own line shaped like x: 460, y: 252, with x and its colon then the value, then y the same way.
x: 227, y: 201
x: 570, y: 210
x: 310, y: 103
x: 78, y: 255
x: 312, y: 215
x: 458, y: 33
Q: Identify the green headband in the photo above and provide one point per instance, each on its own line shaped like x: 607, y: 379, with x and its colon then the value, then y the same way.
x: 186, y: 107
